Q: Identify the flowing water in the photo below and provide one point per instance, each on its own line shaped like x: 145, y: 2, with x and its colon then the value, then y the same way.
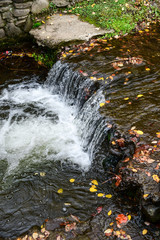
x: 51, y: 131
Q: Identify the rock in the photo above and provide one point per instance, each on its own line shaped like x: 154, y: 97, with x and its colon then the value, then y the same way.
x: 137, y: 178
x: 2, y: 33
x: 1, y: 22
x: 20, y: 23
x: 61, y: 3
x: 12, y: 30
x: 8, y: 16
x: 23, y: 5
x: 151, y: 212
x: 21, y: 12
x: 4, y: 9
x: 5, y: 2
x: 28, y: 25
x: 65, y: 29
x: 38, y: 5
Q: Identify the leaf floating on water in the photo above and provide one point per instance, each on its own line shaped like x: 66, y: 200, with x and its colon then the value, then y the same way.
x: 110, y: 212
x: 100, y: 195
x: 156, y: 178
x: 108, y: 232
x: 60, y: 191
x: 139, y: 132
x: 140, y: 95
x: 144, y: 232
x: 93, y: 189
x: 42, y: 174
x: 158, y: 134
x: 108, y: 196
x: 102, y: 104
x: 94, y: 182
x: 121, y: 219
x: 72, y: 180
x: 145, y: 195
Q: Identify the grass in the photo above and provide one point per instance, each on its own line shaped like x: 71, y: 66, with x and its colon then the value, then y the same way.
x: 121, y: 16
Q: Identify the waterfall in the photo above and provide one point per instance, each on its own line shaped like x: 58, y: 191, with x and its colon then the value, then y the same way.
x: 86, y: 95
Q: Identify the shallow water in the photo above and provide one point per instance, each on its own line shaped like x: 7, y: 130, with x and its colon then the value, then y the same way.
x: 50, y: 133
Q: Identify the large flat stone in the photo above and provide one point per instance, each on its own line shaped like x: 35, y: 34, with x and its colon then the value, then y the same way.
x: 64, y: 29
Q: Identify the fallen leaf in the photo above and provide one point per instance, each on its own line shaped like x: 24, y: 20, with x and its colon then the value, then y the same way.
x: 60, y: 190
x: 139, y: 132
x: 144, y: 232
x: 72, y: 180
x: 140, y: 95
x: 42, y: 174
x: 93, y: 189
x: 99, y: 209
x: 94, y: 182
x: 148, y: 69
x: 126, y: 98
x: 100, y: 195
x: 70, y: 227
x: 108, y: 232
x: 102, y: 104
x: 145, y: 195
x: 121, y: 219
x: 108, y: 196
x: 110, y: 212
x: 156, y: 178
x: 129, y: 217
x: 75, y: 218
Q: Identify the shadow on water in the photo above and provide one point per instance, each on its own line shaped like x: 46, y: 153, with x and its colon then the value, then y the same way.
x: 51, y: 131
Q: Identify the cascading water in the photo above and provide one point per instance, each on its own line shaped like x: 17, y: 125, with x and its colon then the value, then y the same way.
x: 48, y: 133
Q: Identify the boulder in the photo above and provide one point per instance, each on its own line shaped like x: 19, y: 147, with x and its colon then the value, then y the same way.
x: 12, y: 30
x: 61, y: 3
x: 38, y: 5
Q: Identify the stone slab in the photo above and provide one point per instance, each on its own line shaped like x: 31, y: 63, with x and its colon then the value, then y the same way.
x: 64, y: 29
x: 23, y: 5
x: 21, y: 12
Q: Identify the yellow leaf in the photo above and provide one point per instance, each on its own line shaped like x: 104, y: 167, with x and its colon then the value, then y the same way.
x: 156, y: 178
x: 110, y: 212
x: 72, y: 180
x: 94, y: 182
x: 145, y: 195
x: 139, y: 132
x: 43, y: 21
x: 60, y: 190
x: 140, y: 95
x: 100, y: 194
x: 144, y: 231
x: 100, y: 78
x: 70, y: 51
x: 93, y: 189
x: 111, y: 224
x: 42, y: 174
x: 146, y: 30
x: 129, y: 217
x: 102, y: 104
x: 148, y: 69
x: 113, y: 143
x: 108, y: 196
x: 126, y: 98
x: 64, y: 55
x: 140, y: 31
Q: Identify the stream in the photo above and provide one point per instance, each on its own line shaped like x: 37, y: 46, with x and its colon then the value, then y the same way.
x: 52, y: 130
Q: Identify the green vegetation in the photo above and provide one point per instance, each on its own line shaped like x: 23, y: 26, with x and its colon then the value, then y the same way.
x: 48, y: 58
x: 121, y: 16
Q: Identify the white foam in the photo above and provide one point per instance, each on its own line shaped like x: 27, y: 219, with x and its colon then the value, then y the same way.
x: 39, y: 137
